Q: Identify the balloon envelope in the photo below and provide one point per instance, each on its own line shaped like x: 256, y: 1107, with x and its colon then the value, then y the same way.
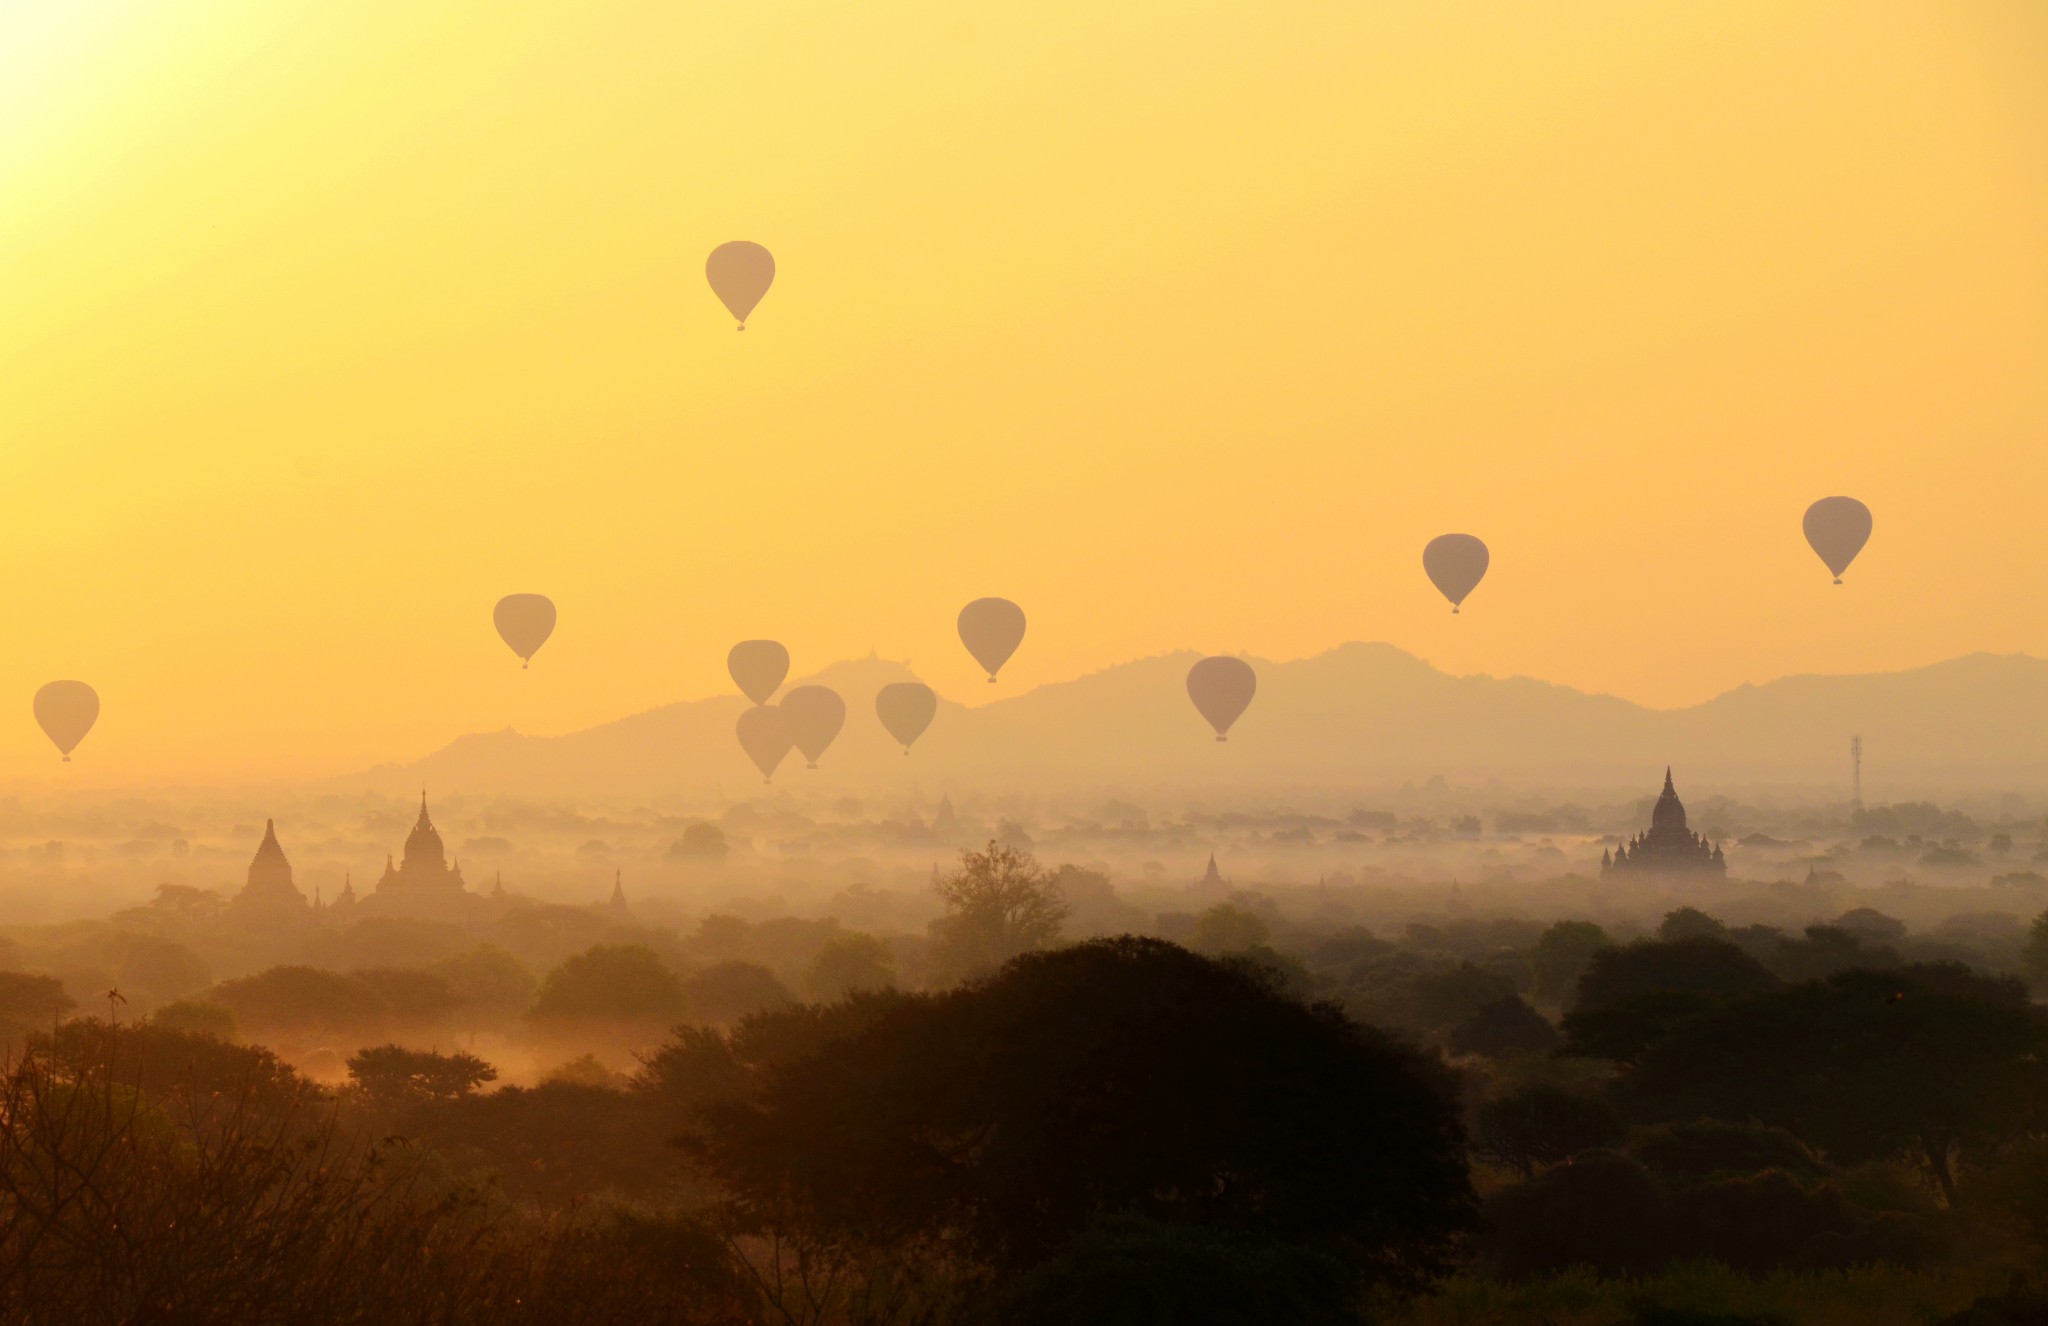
x: 816, y: 713
x: 1221, y: 688
x: 765, y: 736
x: 991, y: 629
x: 757, y: 668
x: 1837, y: 528
x: 66, y: 711
x: 1455, y: 563
x: 524, y: 621
x: 906, y: 709
x: 740, y: 273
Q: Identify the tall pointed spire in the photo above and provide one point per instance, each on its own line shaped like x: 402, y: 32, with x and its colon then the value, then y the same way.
x: 1667, y: 781
x: 269, y: 883
x: 619, y: 893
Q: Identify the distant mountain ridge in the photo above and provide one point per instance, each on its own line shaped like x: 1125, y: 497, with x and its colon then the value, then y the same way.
x: 1365, y: 714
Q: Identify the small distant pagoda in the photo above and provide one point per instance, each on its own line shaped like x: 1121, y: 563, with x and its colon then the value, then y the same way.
x: 1669, y: 847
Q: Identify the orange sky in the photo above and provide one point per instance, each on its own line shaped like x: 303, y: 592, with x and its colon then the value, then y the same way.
x: 1184, y: 325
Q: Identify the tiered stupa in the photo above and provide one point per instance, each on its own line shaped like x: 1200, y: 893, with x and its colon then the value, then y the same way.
x: 422, y: 882
x: 1669, y: 847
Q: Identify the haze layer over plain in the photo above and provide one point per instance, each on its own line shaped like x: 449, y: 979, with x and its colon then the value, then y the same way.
x: 1184, y: 328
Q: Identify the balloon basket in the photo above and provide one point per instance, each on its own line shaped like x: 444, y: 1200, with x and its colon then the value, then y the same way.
x: 1223, y: 738
x: 812, y: 765
x: 1838, y: 580
x: 67, y: 758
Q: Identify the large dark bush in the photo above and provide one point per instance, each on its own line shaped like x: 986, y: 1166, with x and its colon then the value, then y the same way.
x: 1541, y: 1125
x: 1703, y: 966
x: 1601, y: 1211
x: 1758, y: 1222
x: 1126, y: 1271
x: 1864, y: 1065
x: 1503, y: 1029
x: 1119, y: 1076
x: 1700, y: 1149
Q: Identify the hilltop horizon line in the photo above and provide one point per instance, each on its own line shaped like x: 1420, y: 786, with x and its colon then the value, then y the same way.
x: 1361, y: 711
x: 819, y: 675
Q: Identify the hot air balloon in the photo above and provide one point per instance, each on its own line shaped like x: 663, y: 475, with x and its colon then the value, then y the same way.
x: 1837, y: 528
x: 525, y: 621
x: 1221, y: 688
x: 757, y: 668
x: 740, y: 273
x: 1456, y: 563
x: 765, y: 736
x: 66, y: 711
x: 906, y: 709
x: 991, y: 629
x: 816, y: 713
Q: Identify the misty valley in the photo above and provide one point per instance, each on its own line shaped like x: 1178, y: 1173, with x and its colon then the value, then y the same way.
x: 1444, y: 1054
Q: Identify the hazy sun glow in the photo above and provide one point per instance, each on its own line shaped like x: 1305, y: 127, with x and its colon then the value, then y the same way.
x: 322, y: 327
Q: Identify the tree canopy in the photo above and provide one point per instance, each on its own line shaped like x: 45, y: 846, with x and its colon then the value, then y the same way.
x: 1863, y: 1065
x: 621, y: 984
x: 1119, y: 1076
x: 999, y: 903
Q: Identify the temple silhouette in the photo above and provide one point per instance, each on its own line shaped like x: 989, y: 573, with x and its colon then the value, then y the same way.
x: 422, y: 882
x: 1668, y: 848
x: 269, y: 895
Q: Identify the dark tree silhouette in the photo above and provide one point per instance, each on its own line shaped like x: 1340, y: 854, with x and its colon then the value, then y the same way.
x: 618, y: 985
x: 1441, y: 999
x: 1824, y: 950
x: 391, y: 1077
x: 1542, y: 1125
x: 162, y: 968
x: 302, y: 1001
x: 488, y: 981
x: 1701, y: 1149
x: 1560, y: 954
x: 1503, y: 1029
x: 29, y: 1004
x: 1863, y: 1065
x: 1127, y: 1271
x: 849, y: 962
x: 1602, y: 1211
x: 1125, y: 1075
x: 1690, y: 923
x: 413, y: 995
x: 1630, y: 997
x: 725, y: 992
x: 1710, y: 967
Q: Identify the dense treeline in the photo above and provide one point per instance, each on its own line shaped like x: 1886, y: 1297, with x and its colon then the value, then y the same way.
x: 1265, y: 1123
